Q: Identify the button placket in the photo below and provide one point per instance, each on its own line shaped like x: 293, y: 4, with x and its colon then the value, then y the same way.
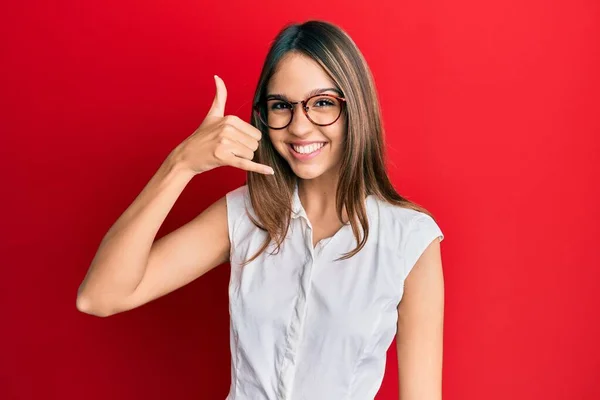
x: 296, y: 331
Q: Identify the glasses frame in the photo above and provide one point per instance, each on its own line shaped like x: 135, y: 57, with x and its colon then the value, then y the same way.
x: 305, y: 108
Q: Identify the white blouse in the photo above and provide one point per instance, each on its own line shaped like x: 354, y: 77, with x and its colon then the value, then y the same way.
x: 305, y: 327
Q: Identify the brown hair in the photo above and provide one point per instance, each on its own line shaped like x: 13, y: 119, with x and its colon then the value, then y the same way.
x: 362, y: 169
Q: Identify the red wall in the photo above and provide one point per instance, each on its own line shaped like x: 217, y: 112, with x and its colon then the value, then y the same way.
x: 492, y: 117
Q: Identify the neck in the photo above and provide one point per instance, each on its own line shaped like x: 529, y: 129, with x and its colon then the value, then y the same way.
x: 318, y: 196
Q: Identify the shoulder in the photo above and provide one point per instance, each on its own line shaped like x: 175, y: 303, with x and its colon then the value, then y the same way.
x: 238, y: 203
x: 238, y: 195
x: 402, y: 220
x: 409, y: 231
x: 239, y: 209
x: 396, y: 214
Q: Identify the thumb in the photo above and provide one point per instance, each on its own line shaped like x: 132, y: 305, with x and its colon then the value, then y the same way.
x: 218, y: 106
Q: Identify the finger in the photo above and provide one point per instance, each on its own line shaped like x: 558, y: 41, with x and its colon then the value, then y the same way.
x: 248, y: 165
x: 244, y: 139
x: 244, y: 127
x: 240, y: 150
x: 218, y: 106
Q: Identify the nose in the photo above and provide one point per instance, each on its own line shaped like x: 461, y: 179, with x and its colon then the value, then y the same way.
x: 300, y: 125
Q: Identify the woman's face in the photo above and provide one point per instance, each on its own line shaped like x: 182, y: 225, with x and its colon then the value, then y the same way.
x: 295, y: 78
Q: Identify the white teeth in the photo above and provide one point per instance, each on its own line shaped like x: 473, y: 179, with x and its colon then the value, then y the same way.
x: 308, y: 149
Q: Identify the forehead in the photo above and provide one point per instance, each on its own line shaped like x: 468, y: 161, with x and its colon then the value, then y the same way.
x: 296, y: 75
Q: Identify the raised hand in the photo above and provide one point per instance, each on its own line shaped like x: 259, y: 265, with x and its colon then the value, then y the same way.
x: 222, y: 140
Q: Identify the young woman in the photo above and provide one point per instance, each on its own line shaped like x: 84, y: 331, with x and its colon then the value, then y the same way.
x: 328, y: 262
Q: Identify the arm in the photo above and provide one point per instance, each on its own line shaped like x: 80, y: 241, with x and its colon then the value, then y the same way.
x: 419, y: 339
x: 131, y: 269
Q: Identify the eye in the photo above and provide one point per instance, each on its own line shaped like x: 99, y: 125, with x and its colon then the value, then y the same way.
x: 279, y: 105
x: 323, y: 102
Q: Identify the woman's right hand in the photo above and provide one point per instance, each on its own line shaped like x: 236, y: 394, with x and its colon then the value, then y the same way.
x: 221, y: 140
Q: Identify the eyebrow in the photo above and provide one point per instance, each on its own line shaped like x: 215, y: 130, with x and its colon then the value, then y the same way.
x: 311, y: 93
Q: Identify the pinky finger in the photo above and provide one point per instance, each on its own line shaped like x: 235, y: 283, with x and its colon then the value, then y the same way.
x: 252, y: 166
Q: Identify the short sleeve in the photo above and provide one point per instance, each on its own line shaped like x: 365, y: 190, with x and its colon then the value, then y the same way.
x: 236, y: 208
x: 421, y: 232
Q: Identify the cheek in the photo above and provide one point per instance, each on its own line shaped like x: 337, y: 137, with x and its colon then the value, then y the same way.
x: 337, y: 136
x: 276, y: 139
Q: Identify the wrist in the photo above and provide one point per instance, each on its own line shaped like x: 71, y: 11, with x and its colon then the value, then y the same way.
x: 176, y: 164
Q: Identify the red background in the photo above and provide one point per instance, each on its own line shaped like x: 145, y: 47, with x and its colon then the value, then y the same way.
x: 492, y: 117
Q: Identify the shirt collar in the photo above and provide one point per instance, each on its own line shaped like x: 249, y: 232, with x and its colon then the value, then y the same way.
x: 298, y: 210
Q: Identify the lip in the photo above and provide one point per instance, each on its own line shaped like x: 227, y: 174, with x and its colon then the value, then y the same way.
x: 306, y: 142
x: 303, y: 157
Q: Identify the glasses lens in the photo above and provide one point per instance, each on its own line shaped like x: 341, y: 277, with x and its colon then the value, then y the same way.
x: 279, y: 113
x: 322, y: 110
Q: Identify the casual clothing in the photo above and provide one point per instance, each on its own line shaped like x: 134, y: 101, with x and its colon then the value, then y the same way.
x: 305, y: 327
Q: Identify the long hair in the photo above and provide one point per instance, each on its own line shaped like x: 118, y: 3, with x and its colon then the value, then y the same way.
x: 362, y: 169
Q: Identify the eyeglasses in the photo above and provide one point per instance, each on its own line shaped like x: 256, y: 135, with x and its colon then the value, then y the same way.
x: 320, y: 109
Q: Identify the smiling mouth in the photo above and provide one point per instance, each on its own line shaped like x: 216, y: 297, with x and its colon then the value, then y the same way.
x: 308, y: 149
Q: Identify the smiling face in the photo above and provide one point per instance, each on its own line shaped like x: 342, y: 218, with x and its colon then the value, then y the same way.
x: 311, y: 150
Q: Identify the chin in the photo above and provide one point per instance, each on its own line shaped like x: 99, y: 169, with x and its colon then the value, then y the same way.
x: 308, y: 172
